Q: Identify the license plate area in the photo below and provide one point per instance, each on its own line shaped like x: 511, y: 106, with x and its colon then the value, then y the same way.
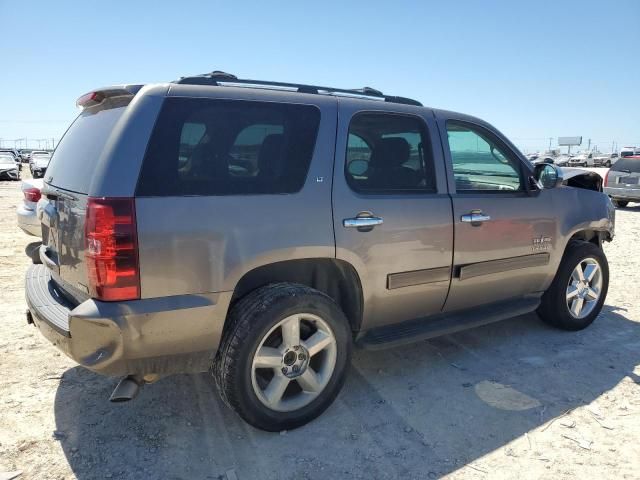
x: 628, y: 180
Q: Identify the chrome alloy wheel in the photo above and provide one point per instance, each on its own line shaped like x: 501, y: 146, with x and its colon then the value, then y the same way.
x: 293, y: 362
x: 584, y: 288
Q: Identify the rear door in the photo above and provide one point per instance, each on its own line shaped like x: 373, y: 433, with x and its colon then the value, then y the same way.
x: 67, y: 185
x: 504, y: 233
x: 392, y: 213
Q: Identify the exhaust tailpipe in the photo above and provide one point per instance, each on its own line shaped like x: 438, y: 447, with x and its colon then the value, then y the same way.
x: 127, y: 389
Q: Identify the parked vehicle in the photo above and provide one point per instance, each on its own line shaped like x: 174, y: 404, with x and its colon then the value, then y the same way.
x: 14, y: 155
x: 25, y: 155
x: 28, y: 219
x: 260, y: 229
x: 39, y: 163
x: 628, y: 152
x: 605, y: 160
x: 8, y: 168
x: 582, y: 160
x: 621, y: 181
x: 562, y: 160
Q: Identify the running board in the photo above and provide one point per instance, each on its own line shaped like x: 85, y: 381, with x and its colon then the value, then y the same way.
x: 443, y: 324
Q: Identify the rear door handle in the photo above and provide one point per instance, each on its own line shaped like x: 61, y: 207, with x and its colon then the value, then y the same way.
x: 475, y: 218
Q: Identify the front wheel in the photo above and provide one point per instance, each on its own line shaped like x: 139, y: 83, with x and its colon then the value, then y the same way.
x: 284, y: 356
x: 620, y: 203
x: 577, y: 293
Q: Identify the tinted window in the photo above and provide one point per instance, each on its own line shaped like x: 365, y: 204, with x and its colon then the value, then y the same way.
x: 77, y: 154
x: 388, y: 153
x: 480, y: 163
x: 224, y: 147
x: 626, y: 165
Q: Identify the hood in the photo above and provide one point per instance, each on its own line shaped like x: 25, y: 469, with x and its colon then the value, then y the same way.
x: 581, y: 178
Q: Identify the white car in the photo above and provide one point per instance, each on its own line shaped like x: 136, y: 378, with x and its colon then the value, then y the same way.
x: 8, y: 168
x: 39, y: 163
x: 582, y: 160
x: 27, y: 211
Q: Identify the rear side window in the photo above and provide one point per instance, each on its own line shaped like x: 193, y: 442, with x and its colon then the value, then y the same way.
x: 228, y: 147
x: 388, y: 153
x: 76, y: 157
x: 627, y: 165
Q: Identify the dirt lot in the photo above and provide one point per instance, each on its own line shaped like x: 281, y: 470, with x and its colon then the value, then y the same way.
x: 515, y: 399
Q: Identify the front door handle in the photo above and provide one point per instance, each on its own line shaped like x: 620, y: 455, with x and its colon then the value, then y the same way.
x: 362, y: 223
x: 475, y: 218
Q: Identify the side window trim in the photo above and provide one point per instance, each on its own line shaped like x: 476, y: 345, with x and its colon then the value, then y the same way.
x: 427, y: 152
x: 495, y: 137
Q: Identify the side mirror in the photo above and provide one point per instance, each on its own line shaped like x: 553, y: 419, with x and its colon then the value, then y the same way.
x: 548, y: 175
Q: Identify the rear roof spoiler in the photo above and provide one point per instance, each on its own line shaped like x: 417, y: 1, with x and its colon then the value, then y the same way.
x: 99, y: 95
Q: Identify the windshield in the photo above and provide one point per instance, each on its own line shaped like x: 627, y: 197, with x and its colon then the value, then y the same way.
x: 631, y: 165
x: 7, y: 160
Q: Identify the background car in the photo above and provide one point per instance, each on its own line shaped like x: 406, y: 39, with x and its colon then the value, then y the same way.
x: 622, y: 182
x: 38, y: 163
x: 14, y: 154
x: 27, y: 211
x: 8, y: 168
x: 582, y: 160
x: 25, y: 155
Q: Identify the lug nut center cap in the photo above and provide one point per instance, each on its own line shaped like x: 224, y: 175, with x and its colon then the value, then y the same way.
x: 295, y: 361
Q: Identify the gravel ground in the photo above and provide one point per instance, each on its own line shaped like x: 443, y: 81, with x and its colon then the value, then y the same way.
x: 514, y: 399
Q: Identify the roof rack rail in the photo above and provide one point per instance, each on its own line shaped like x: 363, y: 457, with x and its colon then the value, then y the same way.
x: 218, y: 78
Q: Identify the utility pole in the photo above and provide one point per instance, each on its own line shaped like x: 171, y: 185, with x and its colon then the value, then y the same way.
x: 589, y: 146
x: 550, y: 139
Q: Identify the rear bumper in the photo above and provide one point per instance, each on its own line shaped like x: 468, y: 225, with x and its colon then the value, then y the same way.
x: 162, y: 336
x: 631, y: 194
x: 28, y: 221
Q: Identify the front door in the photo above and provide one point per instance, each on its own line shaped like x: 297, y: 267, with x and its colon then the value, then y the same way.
x: 392, y: 213
x: 504, y: 231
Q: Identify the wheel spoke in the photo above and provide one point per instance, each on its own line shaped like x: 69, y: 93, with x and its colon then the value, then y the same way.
x: 572, y: 291
x: 317, y: 342
x: 309, y: 381
x: 275, y: 389
x: 576, y: 306
x: 268, y: 357
x: 579, y: 273
x: 592, y: 294
x: 291, y: 332
x: 590, y: 271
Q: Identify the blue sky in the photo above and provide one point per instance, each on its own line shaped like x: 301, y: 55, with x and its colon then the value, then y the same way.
x: 533, y: 69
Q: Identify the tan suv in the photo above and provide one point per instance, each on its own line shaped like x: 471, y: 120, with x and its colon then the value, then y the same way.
x: 262, y: 229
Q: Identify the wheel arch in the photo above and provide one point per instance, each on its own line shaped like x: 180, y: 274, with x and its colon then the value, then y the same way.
x: 336, y: 278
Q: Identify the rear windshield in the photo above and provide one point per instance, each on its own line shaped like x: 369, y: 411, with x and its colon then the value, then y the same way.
x: 626, y: 154
x: 228, y: 147
x: 627, y: 165
x: 76, y: 157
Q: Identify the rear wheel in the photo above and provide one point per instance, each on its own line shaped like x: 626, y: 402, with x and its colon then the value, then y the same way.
x: 578, y: 291
x: 284, y: 356
x: 620, y: 203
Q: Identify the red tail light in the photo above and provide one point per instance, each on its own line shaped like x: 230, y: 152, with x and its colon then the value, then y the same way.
x: 606, y: 179
x: 111, y: 249
x: 32, y: 194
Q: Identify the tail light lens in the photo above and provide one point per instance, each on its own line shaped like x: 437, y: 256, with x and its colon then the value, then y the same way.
x: 31, y: 194
x: 606, y: 179
x: 111, y: 249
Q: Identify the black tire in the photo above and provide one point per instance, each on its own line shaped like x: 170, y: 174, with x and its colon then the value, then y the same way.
x: 553, y: 309
x: 607, y: 164
x: 249, y: 321
x: 620, y: 203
